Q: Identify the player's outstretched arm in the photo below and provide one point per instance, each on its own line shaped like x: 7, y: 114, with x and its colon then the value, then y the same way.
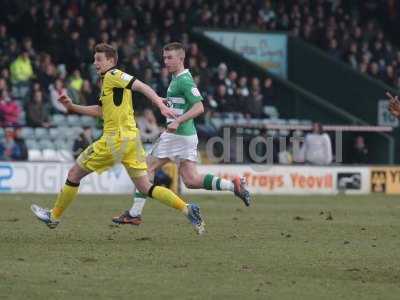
x: 92, y: 110
x: 196, y: 110
x: 394, y: 105
x: 146, y: 90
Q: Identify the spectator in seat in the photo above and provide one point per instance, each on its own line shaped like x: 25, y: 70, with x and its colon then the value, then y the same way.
x: 9, y: 109
x: 37, y: 113
x: 21, y: 151
x: 221, y: 75
x: 88, y: 96
x: 359, y: 153
x: 317, y: 147
x: 163, y: 82
x: 255, y: 104
x: 243, y: 93
x: 82, y: 142
x: 268, y: 92
x: 56, y: 90
x: 230, y: 83
x: 21, y: 69
x: 12, y: 148
x: 223, y: 101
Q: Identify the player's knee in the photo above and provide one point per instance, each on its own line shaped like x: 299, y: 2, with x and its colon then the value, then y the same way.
x: 73, y: 175
x: 190, y: 182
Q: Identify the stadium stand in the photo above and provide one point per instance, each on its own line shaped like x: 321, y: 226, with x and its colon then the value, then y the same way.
x: 35, y: 68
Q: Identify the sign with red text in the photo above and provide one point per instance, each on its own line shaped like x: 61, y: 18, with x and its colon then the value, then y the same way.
x: 294, y: 179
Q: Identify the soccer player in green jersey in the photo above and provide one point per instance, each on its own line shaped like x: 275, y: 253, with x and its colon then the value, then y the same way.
x: 179, y: 142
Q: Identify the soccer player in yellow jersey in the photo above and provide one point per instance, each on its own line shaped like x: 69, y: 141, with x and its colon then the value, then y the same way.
x: 120, y: 141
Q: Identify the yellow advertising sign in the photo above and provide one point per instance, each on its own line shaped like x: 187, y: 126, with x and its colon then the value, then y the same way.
x: 385, y: 180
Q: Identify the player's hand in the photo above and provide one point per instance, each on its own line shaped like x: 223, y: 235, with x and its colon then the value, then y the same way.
x: 167, y: 112
x: 173, y: 126
x: 66, y: 101
x: 394, y: 105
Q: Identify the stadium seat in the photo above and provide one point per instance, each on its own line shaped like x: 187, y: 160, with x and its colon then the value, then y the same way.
x: 41, y: 133
x: 73, y: 120
x: 88, y: 121
x: 34, y: 155
x: 257, y: 132
x: 279, y: 121
x: 74, y: 132
x: 27, y: 132
x: 64, y: 155
x: 61, y: 143
x: 284, y: 132
x: 272, y: 133
x: 255, y: 122
x: 54, y: 133
x: 97, y: 133
x: 22, y: 118
x: 306, y: 122
x: 49, y: 155
x: 32, y: 144
x: 271, y: 111
x: 63, y: 131
x: 241, y: 121
x: 293, y: 122
x: 217, y: 122
x: 46, y: 144
x: 59, y: 120
x: 298, y: 133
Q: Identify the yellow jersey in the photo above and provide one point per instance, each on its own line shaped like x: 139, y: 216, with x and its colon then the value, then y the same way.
x: 117, y: 103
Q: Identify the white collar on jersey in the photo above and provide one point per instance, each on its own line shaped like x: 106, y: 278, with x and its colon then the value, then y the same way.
x: 183, y: 72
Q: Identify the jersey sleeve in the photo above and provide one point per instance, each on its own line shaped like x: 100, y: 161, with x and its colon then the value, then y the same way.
x: 119, y: 79
x: 191, y: 92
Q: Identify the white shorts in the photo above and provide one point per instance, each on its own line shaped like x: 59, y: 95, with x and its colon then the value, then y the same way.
x: 176, y: 147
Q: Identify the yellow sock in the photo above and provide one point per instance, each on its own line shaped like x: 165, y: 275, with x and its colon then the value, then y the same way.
x: 167, y: 197
x: 64, y: 199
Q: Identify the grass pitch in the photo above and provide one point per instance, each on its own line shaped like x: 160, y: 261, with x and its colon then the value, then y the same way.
x: 280, y: 248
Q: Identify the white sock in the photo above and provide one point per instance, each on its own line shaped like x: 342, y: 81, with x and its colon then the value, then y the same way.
x: 139, y: 200
x: 224, y: 185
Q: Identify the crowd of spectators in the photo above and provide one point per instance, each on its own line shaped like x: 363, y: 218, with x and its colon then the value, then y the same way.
x: 46, y: 50
x: 35, y: 68
x: 347, y: 30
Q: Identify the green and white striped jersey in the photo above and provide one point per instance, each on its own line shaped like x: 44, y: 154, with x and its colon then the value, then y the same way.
x: 182, y: 94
